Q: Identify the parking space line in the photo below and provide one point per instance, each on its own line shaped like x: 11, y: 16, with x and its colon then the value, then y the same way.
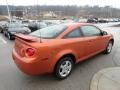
x: 3, y: 40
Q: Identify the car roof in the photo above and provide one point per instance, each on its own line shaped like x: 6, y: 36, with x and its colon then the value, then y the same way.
x: 77, y: 24
x: 72, y: 26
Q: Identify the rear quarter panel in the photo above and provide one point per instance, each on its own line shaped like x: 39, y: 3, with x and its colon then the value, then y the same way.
x: 60, y: 47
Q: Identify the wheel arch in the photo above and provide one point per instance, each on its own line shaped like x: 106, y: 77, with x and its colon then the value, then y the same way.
x: 70, y: 54
x: 112, y: 40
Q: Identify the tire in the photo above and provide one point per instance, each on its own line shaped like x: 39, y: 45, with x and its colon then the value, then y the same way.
x: 1, y: 31
x: 64, y: 67
x: 9, y: 36
x: 4, y: 32
x: 109, y: 47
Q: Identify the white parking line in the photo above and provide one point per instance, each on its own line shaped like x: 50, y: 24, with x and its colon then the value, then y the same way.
x: 3, y: 40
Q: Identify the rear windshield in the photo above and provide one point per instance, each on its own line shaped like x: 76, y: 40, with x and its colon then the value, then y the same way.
x: 15, y: 25
x: 49, y: 32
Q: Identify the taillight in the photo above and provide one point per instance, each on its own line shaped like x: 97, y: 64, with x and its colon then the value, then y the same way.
x: 30, y: 52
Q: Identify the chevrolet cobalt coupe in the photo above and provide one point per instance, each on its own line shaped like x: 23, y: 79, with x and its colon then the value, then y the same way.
x: 56, y: 49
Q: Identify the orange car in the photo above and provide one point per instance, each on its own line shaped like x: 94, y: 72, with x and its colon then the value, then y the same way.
x: 56, y: 49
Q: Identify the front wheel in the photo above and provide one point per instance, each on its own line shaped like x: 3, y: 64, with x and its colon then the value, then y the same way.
x: 1, y: 31
x: 109, y: 47
x: 4, y: 32
x: 64, y: 67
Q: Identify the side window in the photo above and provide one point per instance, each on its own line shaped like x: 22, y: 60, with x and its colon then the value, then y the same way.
x: 90, y: 31
x: 74, y: 34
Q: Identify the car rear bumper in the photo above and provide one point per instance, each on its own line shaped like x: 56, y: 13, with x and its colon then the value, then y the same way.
x: 31, y: 68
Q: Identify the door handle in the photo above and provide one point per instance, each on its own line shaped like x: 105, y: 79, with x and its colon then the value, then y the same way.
x: 90, y: 41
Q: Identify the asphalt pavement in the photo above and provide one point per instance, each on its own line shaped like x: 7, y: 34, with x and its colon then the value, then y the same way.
x: 11, y: 78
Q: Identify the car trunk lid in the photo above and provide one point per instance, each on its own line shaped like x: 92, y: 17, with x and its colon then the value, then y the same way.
x: 22, y: 42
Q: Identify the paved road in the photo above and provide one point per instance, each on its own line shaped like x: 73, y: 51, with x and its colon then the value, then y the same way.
x: 12, y: 79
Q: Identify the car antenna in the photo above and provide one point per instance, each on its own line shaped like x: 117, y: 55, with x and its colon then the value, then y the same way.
x: 40, y: 36
x: 38, y: 21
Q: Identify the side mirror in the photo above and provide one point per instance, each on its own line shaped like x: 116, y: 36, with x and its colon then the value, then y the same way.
x: 104, y: 33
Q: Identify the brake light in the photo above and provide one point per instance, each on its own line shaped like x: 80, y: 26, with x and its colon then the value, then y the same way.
x: 30, y: 52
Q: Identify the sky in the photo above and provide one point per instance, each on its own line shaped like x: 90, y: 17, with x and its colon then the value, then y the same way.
x: 113, y: 3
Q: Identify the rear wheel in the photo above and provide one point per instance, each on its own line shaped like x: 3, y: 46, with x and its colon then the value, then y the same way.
x: 64, y: 67
x: 109, y: 47
x: 9, y: 36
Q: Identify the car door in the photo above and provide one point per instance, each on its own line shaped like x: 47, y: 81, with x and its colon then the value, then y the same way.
x: 94, y: 38
x: 76, y: 43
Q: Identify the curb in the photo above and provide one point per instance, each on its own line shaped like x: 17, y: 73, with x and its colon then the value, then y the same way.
x: 109, y: 74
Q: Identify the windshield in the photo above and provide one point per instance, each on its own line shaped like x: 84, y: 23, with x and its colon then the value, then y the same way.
x: 25, y: 21
x: 49, y: 32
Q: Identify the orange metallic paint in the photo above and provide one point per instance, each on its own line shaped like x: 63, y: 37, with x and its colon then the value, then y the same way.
x: 49, y: 51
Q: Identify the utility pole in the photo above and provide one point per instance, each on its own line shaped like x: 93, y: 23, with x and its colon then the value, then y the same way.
x: 9, y: 14
x: 37, y: 10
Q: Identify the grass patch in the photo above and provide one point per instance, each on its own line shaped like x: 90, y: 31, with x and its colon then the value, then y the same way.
x: 44, y: 18
x: 3, y: 18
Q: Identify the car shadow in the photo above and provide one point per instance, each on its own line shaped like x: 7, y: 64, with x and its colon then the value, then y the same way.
x: 50, y: 77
